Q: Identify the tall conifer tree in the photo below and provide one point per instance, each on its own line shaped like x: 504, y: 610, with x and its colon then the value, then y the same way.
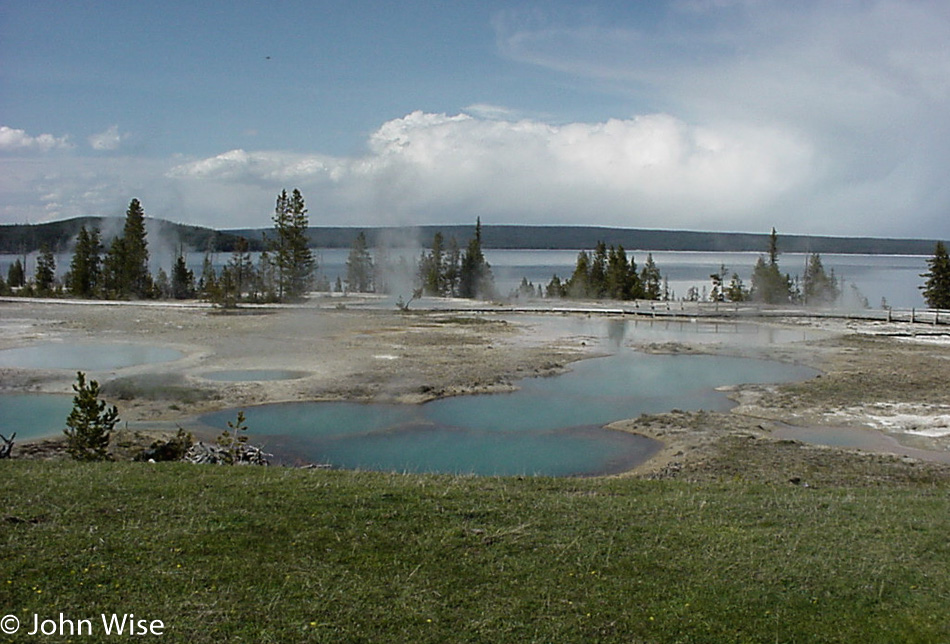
x: 359, y: 266
x: 936, y: 289
x: 431, y: 268
x: 85, y: 269
x: 16, y: 275
x: 241, y: 268
x: 138, y: 281
x: 291, y: 254
x: 651, y: 280
x: 126, y: 263
x: 768, y: 283
x: 817, y: 286
x: 183, y: 280
x: 578, y: 285
x: 475, y: 276
x: 45, y: 271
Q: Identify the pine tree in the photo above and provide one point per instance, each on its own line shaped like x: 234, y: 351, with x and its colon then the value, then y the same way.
x: 431, y: 268
x: 162, y: 285
x: 382, y: 268
x: 651, y: 280
x: 126, y: 264
x: 451, y: 268
x: 241, y: 269
x: 634, y: 288
x: 136, y: 279
x: 736, y: 292
x: 578, y: 285
x: 227, y: 291
x: 597, y: 283
x: 768, y: 283
x: 45, y: 271
x: 621, y: 280
x: 208, y: 283
x: 817, y: 286
x: 359, y: 266
x: 291, y: 254
x: 85, y: 269
x: 936, y: 290
x: 266, y: 282
x: 718, y: 291
x: 525, y: 289
x: 618, y: 274
x: 280, y: 255
x: 113, y: 284
x: 773, y: 248
x: 183, y: 280
x: 16, y: 275
x: 90, y: 423
x: 475, y: 276
x: 555, y: 288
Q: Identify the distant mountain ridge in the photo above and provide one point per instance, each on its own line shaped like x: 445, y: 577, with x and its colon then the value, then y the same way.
x: 59, y: 236
x: 586, y: 237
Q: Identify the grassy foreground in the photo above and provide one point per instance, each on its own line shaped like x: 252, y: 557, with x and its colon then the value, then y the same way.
x: 280, y: 555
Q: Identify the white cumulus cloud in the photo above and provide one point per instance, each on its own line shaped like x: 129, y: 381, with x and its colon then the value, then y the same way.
x: 108, y: 140
x: 437, y: 167
x: 18, y: 141
x: 866, y: 84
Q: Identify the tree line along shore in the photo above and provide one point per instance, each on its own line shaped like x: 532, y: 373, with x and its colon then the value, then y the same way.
x: 60, y: 235
x: 286, y: 268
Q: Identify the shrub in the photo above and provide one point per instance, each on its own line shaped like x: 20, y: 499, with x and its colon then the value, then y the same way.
x: 174, y: 449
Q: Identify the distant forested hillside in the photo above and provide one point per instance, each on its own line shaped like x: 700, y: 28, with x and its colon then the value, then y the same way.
x: 60, y: 235
x: 586, y: 237
x: 23, y: 238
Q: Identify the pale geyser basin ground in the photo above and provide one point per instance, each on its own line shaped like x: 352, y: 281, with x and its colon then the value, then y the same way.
x: 386, y: 357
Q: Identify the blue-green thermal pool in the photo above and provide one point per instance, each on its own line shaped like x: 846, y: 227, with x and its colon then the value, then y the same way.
x: 550, y: 426
x: 86, y: 357
x: 33, y: 415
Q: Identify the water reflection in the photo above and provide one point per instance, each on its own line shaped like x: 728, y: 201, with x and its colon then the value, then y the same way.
x: 616, y: 332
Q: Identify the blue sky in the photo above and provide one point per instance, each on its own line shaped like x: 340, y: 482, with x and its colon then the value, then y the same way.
x: 813, y: 117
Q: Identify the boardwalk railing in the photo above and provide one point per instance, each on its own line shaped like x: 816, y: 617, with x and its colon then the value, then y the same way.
x: 654, y: 309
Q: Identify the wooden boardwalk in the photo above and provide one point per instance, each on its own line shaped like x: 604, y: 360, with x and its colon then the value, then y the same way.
x: 728, y: 310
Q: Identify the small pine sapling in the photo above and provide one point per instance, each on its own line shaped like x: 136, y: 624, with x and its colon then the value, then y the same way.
x: 234, y: 442
x: 90, y: 423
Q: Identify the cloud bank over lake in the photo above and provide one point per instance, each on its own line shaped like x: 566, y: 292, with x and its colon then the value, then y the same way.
x: 814, y: 117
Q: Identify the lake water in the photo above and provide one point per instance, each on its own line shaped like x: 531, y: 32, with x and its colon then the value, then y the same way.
x: 894, y: 278
x: 550, y: 426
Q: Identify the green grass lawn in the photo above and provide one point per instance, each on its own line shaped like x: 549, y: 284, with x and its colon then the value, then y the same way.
x: 280, y: 555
